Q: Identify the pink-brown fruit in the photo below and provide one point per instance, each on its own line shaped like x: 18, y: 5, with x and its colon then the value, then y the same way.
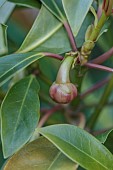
x: 63, y: 93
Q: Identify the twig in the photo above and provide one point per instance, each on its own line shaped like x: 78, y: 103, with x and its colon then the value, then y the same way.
x: 52, y: 55
x: 99, y: 67
x: 93, y: 119
x: 71, y: 36
x: 48, y: 114
x: 103, y: 57
x: 95, y: 87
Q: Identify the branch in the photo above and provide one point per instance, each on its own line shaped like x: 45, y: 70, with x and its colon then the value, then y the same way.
x: 48, y: 114
x: 95, y: 87
x: 103, y: 57
x: 104, y: 99
x: 52, y: 55
x: 71, y: 36
x: 99, y: 67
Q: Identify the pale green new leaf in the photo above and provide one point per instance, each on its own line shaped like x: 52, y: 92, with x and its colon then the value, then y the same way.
x: 79, y: 146
x: 76, y: 12
x: 13, y: 63
x: 46, y: 35
x: 3, y: 39
x: 39, y: 155
x: 27, y: 3
x: 19, y: 115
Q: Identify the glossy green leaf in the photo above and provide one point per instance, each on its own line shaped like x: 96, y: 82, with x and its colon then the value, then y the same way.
x: 27, y: 3
x: 2, y: 160
x: 80, y: 38
x: 46, y: 36
x: 79, y: 146
x: 19, y: 115
x: 5, y: 11
x: 10, y: 64
x: 109, y: 142
x: 2, y: 2
x: 39, y: 154
x: 3, y: 39
x: 107, y: 139
x: 76, y: 12
x: 103, y: 137
x: 56, y: 7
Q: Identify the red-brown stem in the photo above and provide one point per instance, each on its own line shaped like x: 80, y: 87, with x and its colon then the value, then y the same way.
x: 71, y: 36
x: 52, y: 55
x: 103, y: 57
x: 99, y: 67
x: 107, y: 7
x: 95, y: 87
x: 47, y: 115
x: 104, y: 4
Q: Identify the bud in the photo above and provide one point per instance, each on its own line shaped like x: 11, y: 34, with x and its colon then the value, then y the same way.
x: 63, y: 93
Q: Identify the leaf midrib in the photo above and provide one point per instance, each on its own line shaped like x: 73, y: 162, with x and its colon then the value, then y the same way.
x: 23, y: 101
x: 55, y: 159
x: 74, y: 147
x: 19, y: 63
x: 39, y: 42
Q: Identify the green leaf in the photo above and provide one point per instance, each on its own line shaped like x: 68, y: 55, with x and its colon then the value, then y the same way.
x: 103, y: 137
x: 76, y: 12
x: 79, y: 146
x: 2, y: 2
x: 27, y: 3
x: 3, y: 39
x: 56, y: 7
x: 5, y: 11
x: 2, y: 160
x: 80, y: 38
x: 13, y: 63
x: 109, y: 142
x: 106, y: 138
x: 19, y: 115
x: 39, y: 154
x: 46, y: 36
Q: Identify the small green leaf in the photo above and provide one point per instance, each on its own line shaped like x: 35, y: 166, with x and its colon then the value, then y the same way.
x: 27, y: 3
x: 103, y: 137
x: 76, y: 12
x: 95, y: 16
x: 19, y: 115
x: 3, y: 39
x: 46, y: 36
x: 5, y: 11
x: 79, y: 146
x: 13, y: 63
x: 39, y: 155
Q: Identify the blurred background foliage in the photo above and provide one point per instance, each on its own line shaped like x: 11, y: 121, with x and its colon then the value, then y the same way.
x: 19, y: 24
